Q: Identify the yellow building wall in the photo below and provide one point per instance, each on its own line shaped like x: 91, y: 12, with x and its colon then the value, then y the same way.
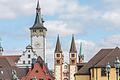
x: 82, y: 77
x: 96, y: 75
x: 112, y: 75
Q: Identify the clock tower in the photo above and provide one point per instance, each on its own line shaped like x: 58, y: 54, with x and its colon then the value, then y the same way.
x: 38, y: 34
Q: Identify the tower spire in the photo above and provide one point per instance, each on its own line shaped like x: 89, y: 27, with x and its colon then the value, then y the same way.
x: 38, y: 5
x: 80, y: 52
x: 1, y: 48
x: 81, y: 56
x: 73, y: 46
x: 38, y: 24
x: 58, y: 46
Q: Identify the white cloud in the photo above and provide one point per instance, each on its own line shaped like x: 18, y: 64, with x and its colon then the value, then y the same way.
x: 89, y: 48
x: 111, y: 41
x: 59, y: 27
x: 112, y: 16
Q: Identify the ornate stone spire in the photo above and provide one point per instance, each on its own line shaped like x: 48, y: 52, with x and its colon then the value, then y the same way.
x: 38, y: 24
x: 58, y: 46
x: 80, y: 55
x: 80, y: 52
x: 73, y: 46
x: 1, y: 48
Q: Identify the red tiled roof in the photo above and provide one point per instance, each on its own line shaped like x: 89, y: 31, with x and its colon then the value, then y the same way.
x: 7, y: 64
x: 14, y: 58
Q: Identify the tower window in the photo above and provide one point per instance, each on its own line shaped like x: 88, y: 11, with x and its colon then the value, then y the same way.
x: 73, y: 61
x: 73, y: 55
x: 65, y: 74
x: 23, y: 62
x: 58, y: 61
x: 29, y: 56
x: 28, y: 62
x: 65, y: 67
x: 41, y: 30
x: 34, y: 30
x: 58, y: 55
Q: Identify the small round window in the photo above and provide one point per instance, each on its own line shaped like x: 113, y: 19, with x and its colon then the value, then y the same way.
x: 36, y: 71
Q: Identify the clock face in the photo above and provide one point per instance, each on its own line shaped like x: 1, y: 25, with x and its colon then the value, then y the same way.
x: 37, y: 44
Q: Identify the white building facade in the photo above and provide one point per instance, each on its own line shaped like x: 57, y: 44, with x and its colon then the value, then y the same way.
x: 26, y: 58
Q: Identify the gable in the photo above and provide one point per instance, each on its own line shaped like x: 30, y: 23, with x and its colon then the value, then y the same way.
x: 98, y: 57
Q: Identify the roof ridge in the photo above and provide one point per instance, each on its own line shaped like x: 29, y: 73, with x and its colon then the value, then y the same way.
x: 93, y: 61
x: 103, y: 58
x: 108, y: 54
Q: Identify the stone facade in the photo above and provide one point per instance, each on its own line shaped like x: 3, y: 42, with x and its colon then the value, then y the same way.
x: 63, y: 70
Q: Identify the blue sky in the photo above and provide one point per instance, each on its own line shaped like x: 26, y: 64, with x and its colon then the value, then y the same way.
x: 95, y: 23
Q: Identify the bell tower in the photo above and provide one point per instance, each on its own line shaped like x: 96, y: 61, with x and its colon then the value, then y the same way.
x: 58, y: 60
x: 38, y: 34
x: 73, y: 59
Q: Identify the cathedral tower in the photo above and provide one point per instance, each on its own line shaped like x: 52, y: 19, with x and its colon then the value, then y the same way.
x: 38, y: 34
x: 81, y: 56
x: 73, y: 59
x: 58, y: 60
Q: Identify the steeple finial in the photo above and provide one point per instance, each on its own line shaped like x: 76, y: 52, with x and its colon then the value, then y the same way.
x: 38, y: 5
x: 73, y: 46
x: 58, y: 46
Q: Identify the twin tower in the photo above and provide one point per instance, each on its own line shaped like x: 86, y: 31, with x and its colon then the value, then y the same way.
x: 63, y: 70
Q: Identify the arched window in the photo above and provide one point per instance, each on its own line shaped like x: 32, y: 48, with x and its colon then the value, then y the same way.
x: 65, y: 78
x: 65, y: 67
